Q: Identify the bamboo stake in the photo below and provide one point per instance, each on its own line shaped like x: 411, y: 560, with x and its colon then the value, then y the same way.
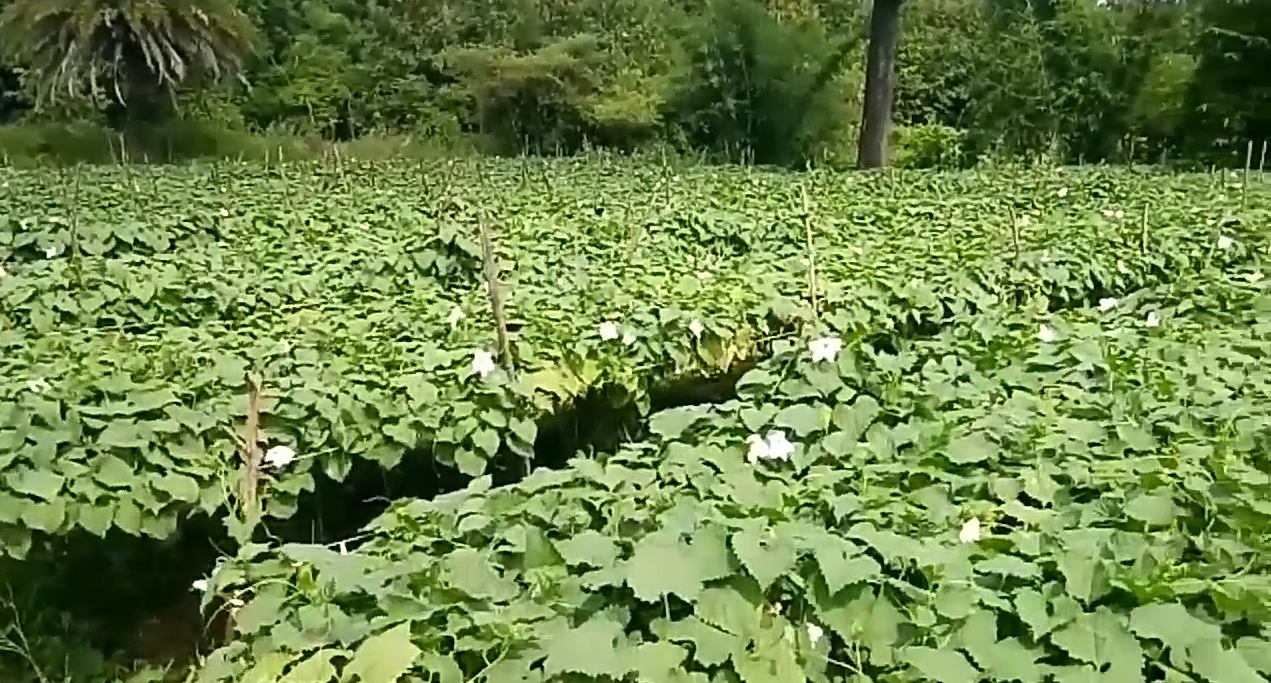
x: 807, y: 229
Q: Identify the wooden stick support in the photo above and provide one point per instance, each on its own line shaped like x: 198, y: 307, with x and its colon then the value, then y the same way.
x: 493, y: 293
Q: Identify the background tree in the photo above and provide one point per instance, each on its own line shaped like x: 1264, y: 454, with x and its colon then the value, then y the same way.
x: 132, y: 54
x: 880, y: 82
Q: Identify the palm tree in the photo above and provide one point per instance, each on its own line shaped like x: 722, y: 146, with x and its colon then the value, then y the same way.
x: 129, y: 53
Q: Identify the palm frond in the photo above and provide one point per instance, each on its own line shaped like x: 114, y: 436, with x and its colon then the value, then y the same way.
x: 118, y: 48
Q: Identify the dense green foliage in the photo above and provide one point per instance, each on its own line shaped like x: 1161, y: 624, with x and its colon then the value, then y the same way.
x: 1076, y: 360
x: 776, y: 81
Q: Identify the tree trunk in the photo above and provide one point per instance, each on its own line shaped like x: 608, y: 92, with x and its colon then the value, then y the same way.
x: 880, y: 86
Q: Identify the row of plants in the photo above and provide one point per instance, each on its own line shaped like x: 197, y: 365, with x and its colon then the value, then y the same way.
x: 355, y: 293
x: 1026, y: 494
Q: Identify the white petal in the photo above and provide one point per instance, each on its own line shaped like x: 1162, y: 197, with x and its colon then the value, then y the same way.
x: 50, y: 251
x: 1119, y: 214
x: 482, y: 362
x: 608, y: 330
x: 758, y: 449
x: 628, y: 337
x: 815, y: 633
x: 199, y: 586
x: 1225, y: 242
x: 1254, y: 276
x: 1153, y: 319
x: 1108, y: 304
x: 779, y: 448
x: 970, y: 531
x: 1063, y: 192
x: 696, y: 328
x: 1046, y: 333
x: 279, y: 456
x: 825, y: 348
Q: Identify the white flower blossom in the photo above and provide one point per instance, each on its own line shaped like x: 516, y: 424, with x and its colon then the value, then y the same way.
x: 1047, y: 334
x: 1254, y: 276
x: 825, y: 348
x: 1153, y: 319
x: 199, y: 586
x: 1063, y: 192
x: 456, y: 314
x: 774, y: 447
x: 970, y: 531
x: 628, y: 337
x: 1225, y: 242
x: 1107, y: 304
x: 482, y: 362
x: 50, y: 251
x: 38, y: 386
x: 1119, y: 214
x: 608, y: 330
x: 1107, y: 213
x: 815, y: 634
x: 3, y: 272
x: 696, y: 328
x: 279, y: 456
x: 224, y: 213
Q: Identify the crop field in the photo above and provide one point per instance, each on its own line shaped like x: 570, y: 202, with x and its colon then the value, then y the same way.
x: 726, y: 426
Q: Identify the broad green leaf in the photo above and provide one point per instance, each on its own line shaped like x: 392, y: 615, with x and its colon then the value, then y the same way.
x: 766, y: 555
x: 1217, y: 664
x: 969, y: 448
x: 589, y: 547
x: 660, y: 566
x: 383, y: 658
x: 671, y: 424
x: 1172, y: 624
x: 596, y: 648
x: 842, y: 563
x: 1156, y: 510
x: 316, y: 668
x: 945, y: 666
x: 802, y: 419
x: 37, y: 483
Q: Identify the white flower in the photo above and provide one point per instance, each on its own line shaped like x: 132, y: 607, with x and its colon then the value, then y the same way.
x: 628, y: 337
x: 456, y: 314
x: 774, y: 447
x: 608, y: 330
x: 50, y: 251
x: 1107, y: 213
x: 1107, y: 304
x: 825, y: 348
x: 1063, y: 192
x: 482, y: 362
x: 1225, y: 242
x: 815, y: 633
x: 1153, y: 319
x: 199, y: 586
x: 38, y: 386
x: 224, y: 213
x: 970, y: 531
x: 1047, y: 334
x: 1254, y: 276
x: 696, y: 328
x: 3, y: 272
x: 279, y: 456
x: 1119, y: 214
